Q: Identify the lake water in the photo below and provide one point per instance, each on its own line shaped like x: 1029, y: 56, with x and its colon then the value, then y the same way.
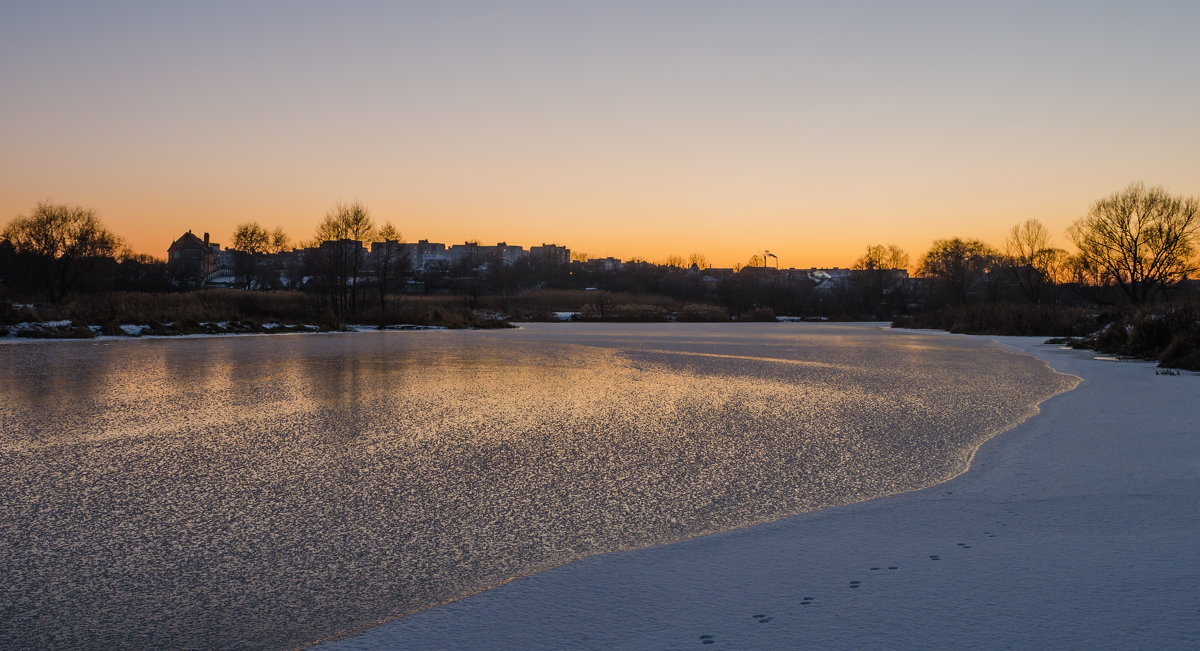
x: 270, y: 491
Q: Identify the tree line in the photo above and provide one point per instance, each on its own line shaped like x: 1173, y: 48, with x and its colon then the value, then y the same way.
x: 1136, y: 246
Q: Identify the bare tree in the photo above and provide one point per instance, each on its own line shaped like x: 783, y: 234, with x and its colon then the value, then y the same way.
x: 388, y: 263
x: 1031, y: 259
x: 278, y: 261
x: 251, y: 238
x: 880, y: 257
x: 1057, y: 266
x: 1087, y: 280
x: 280, y: 242
x: 877, y: 275
x: 958, y: 264
x: 258, y: 255
x: 699, y: 261
x: 1143, y: 240
x: 250, y: 242
x: 64, y: 242
x: 339, y: 239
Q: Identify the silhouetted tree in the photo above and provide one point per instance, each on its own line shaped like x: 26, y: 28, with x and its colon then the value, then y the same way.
x: 278, y: 262
x: 280, y: 242
x: 251, y: 238
x: 339, y: 257
x: 1034, y: 264
x: 877, y: 275
x: 259, y: 262
x: 62, y: 243
x: 880, y: 257
x: 1143, y: 240
x: 250, y: 242
x: 390, y: 262
x: 957, y: 264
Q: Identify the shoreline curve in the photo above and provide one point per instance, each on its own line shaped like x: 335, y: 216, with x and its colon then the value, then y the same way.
x: 582, y: 588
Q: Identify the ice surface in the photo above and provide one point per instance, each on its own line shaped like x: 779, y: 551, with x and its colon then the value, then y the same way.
x: 271, y: 491
x: 1077, y: 529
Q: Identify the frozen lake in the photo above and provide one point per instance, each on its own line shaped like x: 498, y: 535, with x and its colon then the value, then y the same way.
x: 274, y: 491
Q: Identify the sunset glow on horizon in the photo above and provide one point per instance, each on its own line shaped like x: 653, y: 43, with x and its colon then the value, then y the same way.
x: 617, y: 129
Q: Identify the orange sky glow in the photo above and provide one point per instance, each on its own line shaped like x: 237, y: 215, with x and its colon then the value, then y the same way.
x: 617, y: 129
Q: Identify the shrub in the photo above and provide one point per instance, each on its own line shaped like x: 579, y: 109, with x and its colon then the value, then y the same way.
x: 758, y: 314
x: 242, y: 311
x: 696, y: 312
x: 1183, y: 352
x: 639, y: 312
x: 1020, y: 319
x: 1169, y: 334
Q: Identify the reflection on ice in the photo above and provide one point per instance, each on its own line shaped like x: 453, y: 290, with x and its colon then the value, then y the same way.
x: 270, y: 491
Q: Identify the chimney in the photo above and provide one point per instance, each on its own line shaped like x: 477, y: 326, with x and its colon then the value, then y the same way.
x: 206, y: 239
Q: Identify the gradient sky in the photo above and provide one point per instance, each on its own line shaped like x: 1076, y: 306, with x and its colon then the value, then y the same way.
x: 616, y: 128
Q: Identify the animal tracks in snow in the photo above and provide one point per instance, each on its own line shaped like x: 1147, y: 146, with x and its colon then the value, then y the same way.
x: 879, y: 570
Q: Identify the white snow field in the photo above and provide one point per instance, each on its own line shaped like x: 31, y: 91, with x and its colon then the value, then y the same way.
x: 1079, y: 528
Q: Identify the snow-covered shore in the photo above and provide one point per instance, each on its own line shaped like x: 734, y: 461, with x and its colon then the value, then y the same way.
x: 1076, y: 529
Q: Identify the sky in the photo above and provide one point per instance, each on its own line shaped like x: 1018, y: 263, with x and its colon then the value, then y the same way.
x: 627, y: 129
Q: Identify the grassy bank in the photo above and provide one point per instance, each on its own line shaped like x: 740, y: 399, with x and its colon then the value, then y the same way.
x: 1168, y: 334
x: 1009, y: 319
x: 599, y: 305
x: 218, y: 311
x: 226, y: 311
x: 596, y: 305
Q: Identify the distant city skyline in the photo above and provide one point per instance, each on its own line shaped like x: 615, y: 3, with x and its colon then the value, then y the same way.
x: 623, y: 129
x: 455, y: 250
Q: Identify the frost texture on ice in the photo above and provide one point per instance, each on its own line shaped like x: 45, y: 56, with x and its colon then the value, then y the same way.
x: 1077, y: 529
x: 272, y: 491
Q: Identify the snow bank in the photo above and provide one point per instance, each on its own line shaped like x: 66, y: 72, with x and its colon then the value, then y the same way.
x: 1078, y: 528
x: 30, y: 329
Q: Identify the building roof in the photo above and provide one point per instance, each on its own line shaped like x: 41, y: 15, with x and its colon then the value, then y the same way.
x: 186, y: 241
